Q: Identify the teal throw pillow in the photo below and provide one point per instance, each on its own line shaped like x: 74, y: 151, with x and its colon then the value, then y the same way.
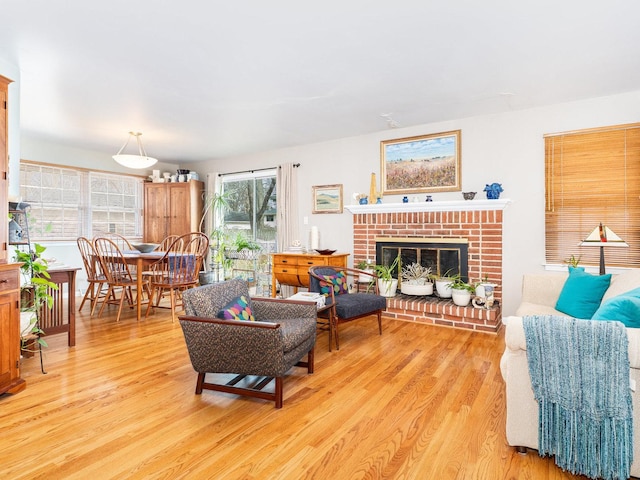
x: 624, y: 308
x: 337, y: 283
x: 237, y: 309
x: 582, y: 293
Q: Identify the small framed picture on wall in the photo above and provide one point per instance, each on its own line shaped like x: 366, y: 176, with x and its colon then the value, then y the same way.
x: 327, y: 198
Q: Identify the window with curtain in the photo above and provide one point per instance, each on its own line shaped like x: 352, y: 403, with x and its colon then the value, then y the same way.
x: 251, y: 215
x: 67, y: 202
x: 592, y: 177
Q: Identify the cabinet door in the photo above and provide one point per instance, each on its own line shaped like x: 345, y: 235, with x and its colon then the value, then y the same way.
x: 9, y: 344
x: 155, y: 212
x: 178, y: 207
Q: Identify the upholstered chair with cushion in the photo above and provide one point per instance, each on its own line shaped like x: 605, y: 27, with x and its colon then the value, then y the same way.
x: 227, y: 332
x: 343, y: 306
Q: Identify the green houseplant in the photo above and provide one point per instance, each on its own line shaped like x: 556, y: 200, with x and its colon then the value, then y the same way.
x: 416, y: 280
x: 34, y: 292
x: 214, y: 205
x: 365, y: 266
x: 387, y: 285
x: 461, y: 291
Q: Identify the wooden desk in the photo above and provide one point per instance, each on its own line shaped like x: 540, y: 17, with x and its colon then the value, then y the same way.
x: 52, y: 320
x: 293, y: 268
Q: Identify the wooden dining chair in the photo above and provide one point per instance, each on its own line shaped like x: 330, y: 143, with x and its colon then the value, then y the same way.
x: 121, y: 241
x: 95, y: 276
x: 166, y: 243
x: 177, y: 270
x: 118, y: 275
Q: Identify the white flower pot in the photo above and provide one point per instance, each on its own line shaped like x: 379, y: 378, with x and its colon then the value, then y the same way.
x: 442, y: 287
x: 387, y: 288
x: 362, y: 278
x: 461, y: 297
x: 416, y: 289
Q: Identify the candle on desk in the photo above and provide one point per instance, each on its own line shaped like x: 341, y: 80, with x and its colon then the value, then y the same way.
x: 315, y: 238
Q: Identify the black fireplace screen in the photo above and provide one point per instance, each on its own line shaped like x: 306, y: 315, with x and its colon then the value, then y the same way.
x: 444, y: 259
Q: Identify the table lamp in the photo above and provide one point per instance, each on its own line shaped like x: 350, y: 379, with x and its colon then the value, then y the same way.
x: 603, y: 236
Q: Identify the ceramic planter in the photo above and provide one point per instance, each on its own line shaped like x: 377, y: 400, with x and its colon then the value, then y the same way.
x: 387, y: 288
x: 461, y: 297
x: 443, y: 288
x: 362, y: 278
x: 416, y: 289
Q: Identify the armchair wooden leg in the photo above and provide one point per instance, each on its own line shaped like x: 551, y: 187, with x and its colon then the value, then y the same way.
x: 380, y: 322
x: 199, y: 383
x: 310, y: 360
x: 278, y: 392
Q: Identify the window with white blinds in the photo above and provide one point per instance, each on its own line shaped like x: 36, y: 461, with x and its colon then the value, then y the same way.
x: 592, y: 177
x: 67, y: 203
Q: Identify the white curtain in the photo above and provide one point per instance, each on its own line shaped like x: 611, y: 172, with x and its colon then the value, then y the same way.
x: 287, y: 206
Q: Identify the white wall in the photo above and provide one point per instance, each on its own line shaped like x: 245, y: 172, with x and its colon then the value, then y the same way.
x: 507, y: 148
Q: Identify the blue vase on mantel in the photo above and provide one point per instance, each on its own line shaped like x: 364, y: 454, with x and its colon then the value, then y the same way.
x: 363, y: 201
x: 405, y: 199
x: 493, y: 191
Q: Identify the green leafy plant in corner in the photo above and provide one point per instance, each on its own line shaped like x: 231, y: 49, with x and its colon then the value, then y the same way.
x: 35, y: 288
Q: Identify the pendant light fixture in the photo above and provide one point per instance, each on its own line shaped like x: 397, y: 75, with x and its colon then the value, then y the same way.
x: 131, y: 160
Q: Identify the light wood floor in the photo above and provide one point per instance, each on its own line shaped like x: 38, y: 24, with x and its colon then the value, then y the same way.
x: 418, y: 402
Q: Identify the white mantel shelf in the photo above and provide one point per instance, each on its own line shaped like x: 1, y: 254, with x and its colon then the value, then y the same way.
x: 443, y: 206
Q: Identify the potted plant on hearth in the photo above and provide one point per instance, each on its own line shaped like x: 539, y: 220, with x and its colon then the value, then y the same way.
x: 461, y: 291
x: 387, y: 285
x: 443, y: 282
x: 416, y: 280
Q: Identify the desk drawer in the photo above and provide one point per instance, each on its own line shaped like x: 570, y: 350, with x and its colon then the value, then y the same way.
x: 284, y: 260
x: 9, y: 280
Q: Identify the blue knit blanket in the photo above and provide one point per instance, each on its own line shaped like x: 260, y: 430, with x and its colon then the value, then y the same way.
x: 580, y: 376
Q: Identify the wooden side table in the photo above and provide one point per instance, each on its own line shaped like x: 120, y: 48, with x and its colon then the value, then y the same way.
x: 52, y: 320
x: 293, y: 268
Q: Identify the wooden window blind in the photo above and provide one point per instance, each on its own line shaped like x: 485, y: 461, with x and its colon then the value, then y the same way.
x: 592, y: 177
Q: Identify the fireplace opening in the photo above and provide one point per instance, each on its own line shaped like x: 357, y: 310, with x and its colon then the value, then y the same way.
x: 445, y: 256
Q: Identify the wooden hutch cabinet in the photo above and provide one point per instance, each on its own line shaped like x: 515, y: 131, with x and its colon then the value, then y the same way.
x: 10, y: 380
x: 172, y: 209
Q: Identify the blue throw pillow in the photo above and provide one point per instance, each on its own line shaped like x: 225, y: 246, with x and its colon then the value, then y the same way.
x: 624, y: 308
x: 582, y: 293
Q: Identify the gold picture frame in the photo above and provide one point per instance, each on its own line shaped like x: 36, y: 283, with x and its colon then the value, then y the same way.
x: 327, y: 198
x: 425, y: 163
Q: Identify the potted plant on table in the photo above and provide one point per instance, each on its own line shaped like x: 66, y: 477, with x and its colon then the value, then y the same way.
x: 461, y: 291
x: 416, y: 280
x: 387, y: 285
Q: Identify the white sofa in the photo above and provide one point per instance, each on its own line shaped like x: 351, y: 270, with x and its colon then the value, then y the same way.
x: 540, y: 293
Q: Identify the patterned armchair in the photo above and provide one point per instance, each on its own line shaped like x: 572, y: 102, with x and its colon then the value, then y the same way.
x: 281, y: 334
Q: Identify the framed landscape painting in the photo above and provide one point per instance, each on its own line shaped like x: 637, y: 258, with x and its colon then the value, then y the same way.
x: 327, y: 198
x: 427, y: 163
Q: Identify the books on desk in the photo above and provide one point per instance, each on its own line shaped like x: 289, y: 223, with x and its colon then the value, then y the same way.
x: 309, y: 297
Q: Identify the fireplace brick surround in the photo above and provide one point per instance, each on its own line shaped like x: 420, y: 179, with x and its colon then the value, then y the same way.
x: 479, y: 221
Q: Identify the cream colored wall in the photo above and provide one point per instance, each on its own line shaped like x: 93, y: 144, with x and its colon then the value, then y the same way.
x: 507, y: 148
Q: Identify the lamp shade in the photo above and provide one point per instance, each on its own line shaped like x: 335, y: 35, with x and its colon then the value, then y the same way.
x: 132, y: 160
x: 603, y: 236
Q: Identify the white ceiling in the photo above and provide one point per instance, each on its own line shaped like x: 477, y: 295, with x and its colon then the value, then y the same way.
x: 205, y: 79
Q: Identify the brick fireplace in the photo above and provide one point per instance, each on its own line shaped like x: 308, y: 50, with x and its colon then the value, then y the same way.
x: 477, y: 221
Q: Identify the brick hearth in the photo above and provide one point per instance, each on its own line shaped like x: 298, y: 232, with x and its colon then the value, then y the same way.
x: 478, y: 221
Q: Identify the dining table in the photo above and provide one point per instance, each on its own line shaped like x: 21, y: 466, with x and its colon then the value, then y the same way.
x: 140, y: 260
